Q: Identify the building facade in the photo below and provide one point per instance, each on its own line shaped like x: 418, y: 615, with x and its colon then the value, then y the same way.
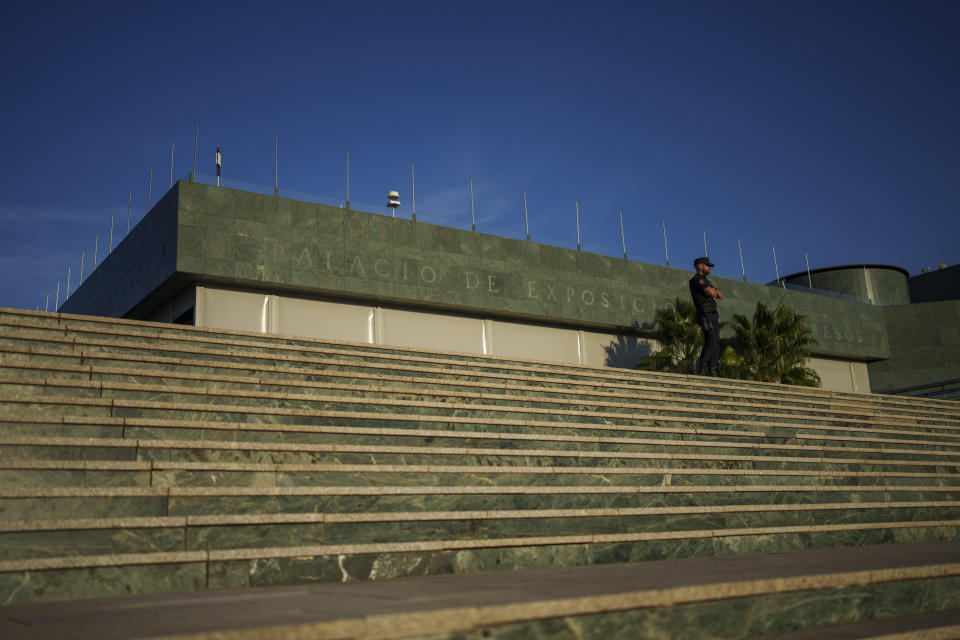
x: 218, y: 257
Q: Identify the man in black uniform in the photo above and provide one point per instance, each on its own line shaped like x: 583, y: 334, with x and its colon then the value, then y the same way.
x: 705, y: 297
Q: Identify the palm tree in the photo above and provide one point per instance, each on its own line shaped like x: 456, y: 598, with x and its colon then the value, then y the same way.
x: 772, y: 347
x: 679, y: 338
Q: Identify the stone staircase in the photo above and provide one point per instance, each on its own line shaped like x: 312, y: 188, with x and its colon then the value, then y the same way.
x: 138, y: 458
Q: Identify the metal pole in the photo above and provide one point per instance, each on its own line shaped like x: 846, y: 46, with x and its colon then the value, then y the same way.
x: 775, y: 266
x: 96, y: 250
x: 46, y: 305
x: 56, y: 304
x: 706, y: 253
x: 473, y: 218
x: 110, y: 250
x: 413, y: 192
x: 623, y: 238
x: 740, y: 249
x: 171, y: 163
x: 149, y: 190
x: 82, y: 255
x: 809, y: 279
x: 218, y: 159
x: 276, y: 164
x: 129, y: 204
x: 666, y: 254
x: 576, y: 203
x: 348, y: 178
x: 526, y: 218
x: 866, y: 281
x: 68, y: 283
x: 196, y: 138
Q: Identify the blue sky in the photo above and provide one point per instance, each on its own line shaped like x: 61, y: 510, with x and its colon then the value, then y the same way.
x: 829, y: 128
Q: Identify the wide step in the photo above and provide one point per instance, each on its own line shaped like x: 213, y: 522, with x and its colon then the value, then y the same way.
x: 138, y: 458
x: 720, y: 597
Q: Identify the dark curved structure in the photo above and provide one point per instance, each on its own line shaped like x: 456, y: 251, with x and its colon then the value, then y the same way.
x: 881, y: 284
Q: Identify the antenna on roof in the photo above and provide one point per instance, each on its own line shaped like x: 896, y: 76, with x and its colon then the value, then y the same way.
x: 740, y: 249
x: 623, y: 238
x: 196, y: 138
x: 393, y: 201
x: 473, y: 217
x: 576, y: 203
x: 666, y: 253
x: 526, y: 219
x: 776, y: 267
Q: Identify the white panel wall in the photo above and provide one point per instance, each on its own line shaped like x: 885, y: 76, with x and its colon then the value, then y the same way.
x: 261, y: 313
x: 840, y: 375
x: 517, y: 340
x: 321, y: 319
x: 430, y: 331
x: 233, y: 310
x: 861, y: 377
x: 611, y: 350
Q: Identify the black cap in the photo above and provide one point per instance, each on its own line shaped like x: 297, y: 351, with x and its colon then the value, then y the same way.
x: 704, y: 260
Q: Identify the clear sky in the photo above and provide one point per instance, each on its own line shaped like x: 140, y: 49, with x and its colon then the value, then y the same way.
x: 830, y: 128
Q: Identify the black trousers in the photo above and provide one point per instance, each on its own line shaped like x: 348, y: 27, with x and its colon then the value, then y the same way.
x: 709, y: 324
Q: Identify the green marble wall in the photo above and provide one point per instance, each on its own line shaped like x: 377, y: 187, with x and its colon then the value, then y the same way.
x: 942, y: 284
x: 257, y: 241
x: 143, y: 261
x: 884, y: 285
x: 924, y: 345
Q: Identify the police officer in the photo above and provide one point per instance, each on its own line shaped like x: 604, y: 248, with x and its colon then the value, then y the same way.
x: 705, y: 297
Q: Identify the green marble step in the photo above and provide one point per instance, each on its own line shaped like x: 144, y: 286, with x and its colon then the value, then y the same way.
x: 712, y: 384
x: 23, y: 473
x: 442, y: 378
x: 87, y: 377
x: 807, y: 597
x: 420, y: 431
x: 312, y: 378
x: 310, y: 382
x: 34, y: 418
x: 809, y: 594
x: 155, y: 331
x: 339, y: 436
x: 102, y: 575
x: 28, y: 539
x: 21, y: 396
x: 39, y: 503
x: 77, y: 323
x: 834, y: 407
x: 94, y: 417
x: 168, y: 459
x: 269, y: 451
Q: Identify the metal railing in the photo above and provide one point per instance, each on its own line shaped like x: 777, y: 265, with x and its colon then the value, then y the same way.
x: 940, y: 390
